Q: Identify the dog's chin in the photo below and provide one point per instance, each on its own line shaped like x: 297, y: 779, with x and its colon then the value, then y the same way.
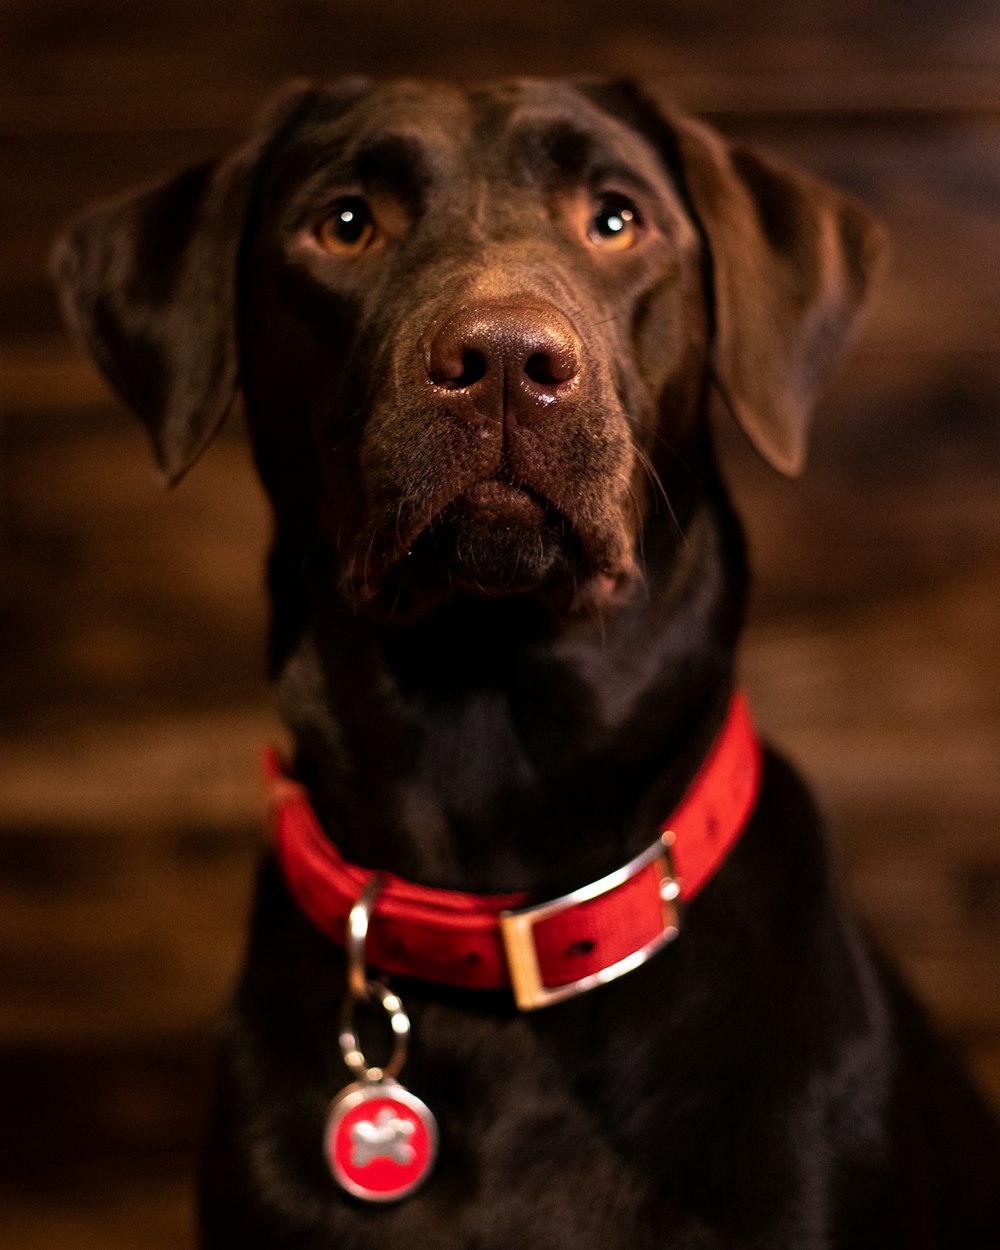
x: 493, y: 541
x: 497, y: 540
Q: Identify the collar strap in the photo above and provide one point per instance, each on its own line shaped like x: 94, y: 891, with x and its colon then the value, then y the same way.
x: 546, y: 951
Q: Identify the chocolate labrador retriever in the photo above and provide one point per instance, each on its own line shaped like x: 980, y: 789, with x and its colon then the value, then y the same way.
x: 474, y: 332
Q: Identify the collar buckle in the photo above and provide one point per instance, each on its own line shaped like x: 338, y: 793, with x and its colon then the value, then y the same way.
x: 517, y: 928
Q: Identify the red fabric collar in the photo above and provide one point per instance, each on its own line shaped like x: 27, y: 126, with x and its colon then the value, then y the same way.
x: 549, y: 950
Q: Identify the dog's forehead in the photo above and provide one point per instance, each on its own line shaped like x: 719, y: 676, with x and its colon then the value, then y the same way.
x: 506, y: 130
x: 431, y: 114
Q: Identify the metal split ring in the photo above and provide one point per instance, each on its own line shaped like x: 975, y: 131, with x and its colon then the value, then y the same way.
x: 361, y: 989
x: 399, y: 1022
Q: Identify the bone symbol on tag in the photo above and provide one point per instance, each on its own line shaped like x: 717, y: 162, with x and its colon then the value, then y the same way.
x: 380, y: 1141
x: 384, y: 1137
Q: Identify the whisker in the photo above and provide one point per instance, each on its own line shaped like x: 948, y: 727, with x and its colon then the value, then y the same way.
x: 657, y: 482
x: 672, y: 449
x: 347, y: 424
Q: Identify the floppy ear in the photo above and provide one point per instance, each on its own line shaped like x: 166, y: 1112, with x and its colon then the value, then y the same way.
x: 792, y: 260
x: 149, y: 283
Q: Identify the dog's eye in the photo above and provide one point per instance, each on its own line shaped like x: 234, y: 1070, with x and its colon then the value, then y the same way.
x: 615, y: 224
x: 349, y: 227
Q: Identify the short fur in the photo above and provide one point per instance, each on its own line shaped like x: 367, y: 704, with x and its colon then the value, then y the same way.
x: 507, y: 587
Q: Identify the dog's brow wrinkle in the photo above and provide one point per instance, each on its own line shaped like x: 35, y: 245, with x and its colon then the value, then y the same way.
x: 395, y: 159
x: 479, y: 207
x: 540, y: 144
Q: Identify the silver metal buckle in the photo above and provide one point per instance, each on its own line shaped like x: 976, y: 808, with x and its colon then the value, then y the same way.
x: 517, y: 930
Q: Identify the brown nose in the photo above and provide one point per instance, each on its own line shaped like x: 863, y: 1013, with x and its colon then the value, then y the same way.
x: 511, y: 362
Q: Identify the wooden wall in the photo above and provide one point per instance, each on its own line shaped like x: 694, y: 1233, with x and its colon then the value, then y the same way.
x: 131, y: 698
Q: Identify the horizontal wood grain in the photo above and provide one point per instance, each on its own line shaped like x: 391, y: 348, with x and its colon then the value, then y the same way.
x: 94, y: 46
x: 930, y: 96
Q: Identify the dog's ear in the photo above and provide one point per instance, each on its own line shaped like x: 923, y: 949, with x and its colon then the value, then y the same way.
x: 792, y: 261
x: 149, y: 283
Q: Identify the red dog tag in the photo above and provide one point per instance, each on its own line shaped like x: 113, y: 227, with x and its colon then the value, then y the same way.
x: 381, y: 1141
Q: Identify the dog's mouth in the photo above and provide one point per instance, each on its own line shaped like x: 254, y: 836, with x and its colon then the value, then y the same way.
x: 495, y: 539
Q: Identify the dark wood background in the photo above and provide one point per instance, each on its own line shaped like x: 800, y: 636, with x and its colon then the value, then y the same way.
x: 131, y: 632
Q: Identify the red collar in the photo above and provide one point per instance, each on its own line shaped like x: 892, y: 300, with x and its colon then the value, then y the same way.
x: 546, y: 951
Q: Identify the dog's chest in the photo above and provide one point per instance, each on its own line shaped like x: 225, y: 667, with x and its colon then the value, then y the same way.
x: 524, y: 1164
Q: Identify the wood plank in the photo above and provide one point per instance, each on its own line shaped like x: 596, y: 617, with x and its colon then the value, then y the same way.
x: 140, y: 1110
x: 98, y: 561
x: 154, y: 1214
x: 842, y: 97
x: 52, y: 48
x: 138, y: 941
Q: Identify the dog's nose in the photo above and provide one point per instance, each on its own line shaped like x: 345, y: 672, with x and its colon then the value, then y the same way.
x: 513, y: 362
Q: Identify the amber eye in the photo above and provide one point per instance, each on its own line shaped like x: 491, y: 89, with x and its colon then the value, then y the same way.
x: 615, y: 224
x: 349, y: 228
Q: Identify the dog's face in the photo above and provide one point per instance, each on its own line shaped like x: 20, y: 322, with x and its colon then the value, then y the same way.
x: 473, y: 303
x: 472, y: 327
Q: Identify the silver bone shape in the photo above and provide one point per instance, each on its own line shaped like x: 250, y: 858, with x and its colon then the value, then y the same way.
x: 384, y: 1137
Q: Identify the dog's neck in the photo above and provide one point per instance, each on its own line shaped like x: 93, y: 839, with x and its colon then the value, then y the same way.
x: 490, y: 749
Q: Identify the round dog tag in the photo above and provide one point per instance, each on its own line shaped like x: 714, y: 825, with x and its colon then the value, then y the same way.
x: 381, y: 1141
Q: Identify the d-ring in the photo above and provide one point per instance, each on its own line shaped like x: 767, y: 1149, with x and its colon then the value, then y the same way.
x: 360, y: 990
x: 357, y: 935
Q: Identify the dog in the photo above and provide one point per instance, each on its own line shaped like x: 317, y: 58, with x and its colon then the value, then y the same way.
x: 474, y: 331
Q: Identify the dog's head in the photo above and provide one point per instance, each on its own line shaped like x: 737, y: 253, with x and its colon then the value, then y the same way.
x: 472, y: 328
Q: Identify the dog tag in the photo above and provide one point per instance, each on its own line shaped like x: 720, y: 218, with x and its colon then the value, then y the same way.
x: 380, y: 1141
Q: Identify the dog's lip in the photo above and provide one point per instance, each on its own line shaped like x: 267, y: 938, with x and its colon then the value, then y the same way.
x: 502, y: 499
x: 506, y: 500
x: 495, y: 501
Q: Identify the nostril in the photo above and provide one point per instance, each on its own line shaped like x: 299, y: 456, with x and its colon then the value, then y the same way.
x: 552, y: 367
x: 543, y: 369
x: 455, y: 366
x: 473, y: 369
